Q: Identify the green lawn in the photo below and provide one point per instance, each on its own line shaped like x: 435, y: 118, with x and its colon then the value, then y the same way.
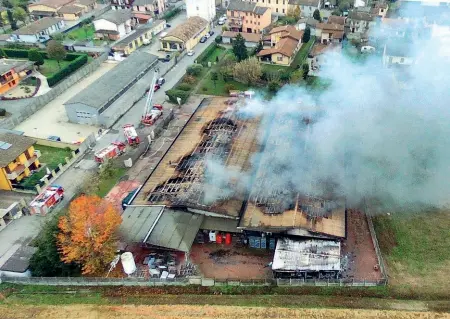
x: 218, y: 52
x: 302, y: 54
x: 274, y: 68
x: 50, y: 157
x: 416, y: 247
x: 50, y: 67
x: 207, y: 86
x: 81, y: 34
x: 106, y: 183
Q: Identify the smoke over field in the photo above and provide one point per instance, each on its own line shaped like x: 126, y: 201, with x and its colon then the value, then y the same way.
x: 380, y: 134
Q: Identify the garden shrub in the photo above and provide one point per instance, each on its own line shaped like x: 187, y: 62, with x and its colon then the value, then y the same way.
x: 174, y: 94
x: 229, y: 87
x: 184, y: 87
x: 194, y: 69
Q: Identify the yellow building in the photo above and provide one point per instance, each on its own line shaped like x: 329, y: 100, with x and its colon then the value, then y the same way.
x: 11, y: 72
x: 285, y: 42
x: 17, y: 159
x: 186, y: 35
x: 133, y: 41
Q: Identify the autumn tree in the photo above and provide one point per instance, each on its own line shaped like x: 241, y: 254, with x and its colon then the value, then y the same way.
x: 239, y: 48
x: 294, y: 13
x: 56, y: 51
x: 87, y: 233
x: 248, y: 71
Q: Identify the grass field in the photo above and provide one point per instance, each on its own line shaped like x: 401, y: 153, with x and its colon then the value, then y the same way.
x: 218, y: 52
x: 81, y: 34
x: 50, y: 157
x: 107, y: 183
x: 219, y: 87
x: 416, y: 248
x: 51, y: 66
x: 206, y: 312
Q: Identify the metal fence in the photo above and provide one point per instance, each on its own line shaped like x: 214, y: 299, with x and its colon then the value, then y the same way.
x: 133, y: 281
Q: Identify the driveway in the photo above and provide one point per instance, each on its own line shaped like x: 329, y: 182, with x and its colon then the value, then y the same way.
x: 52, y: 118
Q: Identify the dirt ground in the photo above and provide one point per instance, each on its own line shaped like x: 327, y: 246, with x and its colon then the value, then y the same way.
x: 229, y: 262
x: 359, y: 249
x: 204, y: 312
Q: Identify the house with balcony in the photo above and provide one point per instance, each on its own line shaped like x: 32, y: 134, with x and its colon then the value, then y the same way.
x: 121, y: 4
x: 285, y: 43
x: 11, y: 73
x: 248, y: 17
x: 114, y: 24
x: 66, y: 9
x: 144, y: 10
x: 18, y: 159
x: 330, y: 33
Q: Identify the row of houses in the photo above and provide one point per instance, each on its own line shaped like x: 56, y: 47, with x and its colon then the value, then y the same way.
x: 65, y: 9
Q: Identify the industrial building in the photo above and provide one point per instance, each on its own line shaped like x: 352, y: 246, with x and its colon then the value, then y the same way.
x: 93, y: 105
x: 175, y: 205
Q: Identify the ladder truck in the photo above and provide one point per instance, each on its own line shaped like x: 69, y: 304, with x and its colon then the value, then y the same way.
x: 151, y: 112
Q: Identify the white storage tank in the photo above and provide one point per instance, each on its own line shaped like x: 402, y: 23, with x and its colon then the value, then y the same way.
x: 128, y: 264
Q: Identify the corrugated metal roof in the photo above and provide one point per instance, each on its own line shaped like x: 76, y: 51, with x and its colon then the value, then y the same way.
x: 137, y: 222
x: 307, y: 255
x: 220, y: 224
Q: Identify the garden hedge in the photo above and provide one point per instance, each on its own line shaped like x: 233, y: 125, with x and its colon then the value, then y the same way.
x: 174, y: 94
x: 77, y: 61
x: 205, y: 54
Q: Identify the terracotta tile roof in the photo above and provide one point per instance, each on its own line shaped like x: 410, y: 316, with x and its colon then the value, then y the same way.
x: 288, y: 31
x: 330, y: 27
x: 337, y: 20
x: 70, y: 9
x: 286, y: 47
x: 319, y: 48
x: 51, y: 3
x: 188, y: 29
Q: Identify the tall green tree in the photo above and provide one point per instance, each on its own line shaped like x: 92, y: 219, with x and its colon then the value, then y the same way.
x: 239, y: 48
x: 306, y: 35
x: 20, y: 14
x: 46, y: 261
x: 35, y: 56
x: 11, y: 19
x: 258, y: 48
x: 316, y: 15
x: 56, y: 51
x: 305, y: 69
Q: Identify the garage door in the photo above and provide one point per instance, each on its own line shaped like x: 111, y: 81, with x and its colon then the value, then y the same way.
x: 85, y: 117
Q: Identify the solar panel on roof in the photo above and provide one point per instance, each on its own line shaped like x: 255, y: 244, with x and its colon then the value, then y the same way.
x: 4, y: 145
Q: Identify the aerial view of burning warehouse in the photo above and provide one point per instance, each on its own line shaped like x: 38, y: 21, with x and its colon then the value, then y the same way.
x: 220, y: 182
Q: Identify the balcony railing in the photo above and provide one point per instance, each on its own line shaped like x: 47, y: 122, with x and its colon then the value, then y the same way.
x: 16, y: 172
x: 235, y: 23
x: 32, y: 159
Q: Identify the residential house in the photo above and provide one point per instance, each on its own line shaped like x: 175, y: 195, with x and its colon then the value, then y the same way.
x: 277, y: 33
x: 380, y: 10
x: 307, y: 7
x: 251, y: 39
x: 121, y: 4
x: 185, y: 36
x: 359, y: 22
x: 66, y: 9
x: 134, y: 40
x: 17, y: 159
x: 277, y: 7
x: 38, y: 31
x: 144, y: 10
x: 11, y: 73
x: 337, y: 20
x: 318, y: 58
x: 330, y: 33
x: 286, y: 42
x: 95, y: 105
x: 248, y: 17
x: 398, y: 53
x: 308, y: 22
x: 113, y: 24
x: 205, y: 9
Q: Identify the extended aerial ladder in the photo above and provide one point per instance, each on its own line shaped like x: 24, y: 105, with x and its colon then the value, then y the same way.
x: 151, y: 112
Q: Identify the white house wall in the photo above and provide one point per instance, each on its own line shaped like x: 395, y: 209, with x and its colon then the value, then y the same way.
x: 205, y: 9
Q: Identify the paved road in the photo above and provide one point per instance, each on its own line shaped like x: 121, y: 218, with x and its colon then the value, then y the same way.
x: 134, y: 115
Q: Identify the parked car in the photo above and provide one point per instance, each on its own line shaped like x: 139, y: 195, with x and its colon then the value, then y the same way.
x: 54, y: 138
x: 203, y: 39
x: 161, y: 81
x: 211, y: 33
x: 168, y: 25
x: 190, y: 53
x: 367, y: 49
x: 165, y: 59
x: 156, y: 88
x: 207, y: 35
x: 221, y: 21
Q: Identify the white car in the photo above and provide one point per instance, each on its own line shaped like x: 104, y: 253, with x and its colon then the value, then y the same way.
x: 207, y: 35
x: 190, y: 53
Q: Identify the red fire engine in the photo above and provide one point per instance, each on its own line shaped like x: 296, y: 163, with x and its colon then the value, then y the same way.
x: 111, y: 151
x: 151, y: 114
x: 130, y: 134
x: 48, y: 199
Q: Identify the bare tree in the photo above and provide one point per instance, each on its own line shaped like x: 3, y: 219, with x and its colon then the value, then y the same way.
x: 247, y: 71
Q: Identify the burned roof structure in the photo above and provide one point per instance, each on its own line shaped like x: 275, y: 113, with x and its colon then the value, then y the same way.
x: 216, y: 133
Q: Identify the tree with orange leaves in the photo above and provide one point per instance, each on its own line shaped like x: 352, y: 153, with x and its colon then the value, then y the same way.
x: 87, y: 233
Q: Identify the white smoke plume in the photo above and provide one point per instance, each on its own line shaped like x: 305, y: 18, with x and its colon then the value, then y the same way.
x: 381, y: 134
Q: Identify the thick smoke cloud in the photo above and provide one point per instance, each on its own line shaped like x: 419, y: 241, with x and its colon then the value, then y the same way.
x: 376, y: 134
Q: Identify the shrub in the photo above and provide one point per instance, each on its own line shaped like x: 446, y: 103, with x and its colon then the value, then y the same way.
x: 286, y: 76
x: 274, y: 86
x: 206, y: 53
x: 174, y: 94
x: 2, y: 112
x: 218, y: 39
x: 229, y: 87
x: 184, y: 87
x: 194, y: 69
x: 66, y: 71
x: 204, y: 89
x: 189, y: 79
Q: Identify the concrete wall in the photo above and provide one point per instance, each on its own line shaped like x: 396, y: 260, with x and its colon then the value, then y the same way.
x: 41, y: 141
x: 75, y: 114
x: 22, y: 109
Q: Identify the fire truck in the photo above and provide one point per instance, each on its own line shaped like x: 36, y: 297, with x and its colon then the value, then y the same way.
x: 109, y: 152
x: 44, y: 202
x: 130, y: 134
x: 151, y: 113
